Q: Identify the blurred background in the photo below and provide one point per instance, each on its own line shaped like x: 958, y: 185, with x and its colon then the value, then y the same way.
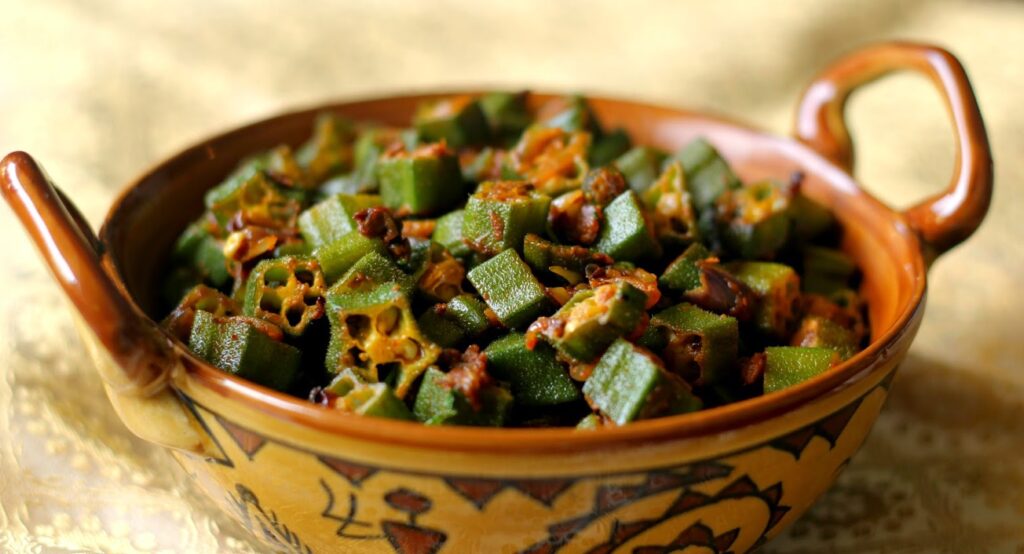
x: 99, y: 91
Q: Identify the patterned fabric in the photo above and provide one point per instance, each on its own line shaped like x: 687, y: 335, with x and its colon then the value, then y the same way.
x: 98, y: 91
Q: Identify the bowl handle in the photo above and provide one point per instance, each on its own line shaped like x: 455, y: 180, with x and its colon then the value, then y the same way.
x: 141, y: 359
x: 944, y: 220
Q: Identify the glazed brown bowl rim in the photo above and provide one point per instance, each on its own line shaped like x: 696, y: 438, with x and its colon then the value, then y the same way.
x: 701, y: 423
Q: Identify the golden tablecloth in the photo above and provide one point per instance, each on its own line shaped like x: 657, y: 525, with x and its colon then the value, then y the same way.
x: 100, y: 90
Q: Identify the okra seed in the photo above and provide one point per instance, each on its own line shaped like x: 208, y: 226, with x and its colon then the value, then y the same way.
x: 408, y: 350
x: 387, y: 321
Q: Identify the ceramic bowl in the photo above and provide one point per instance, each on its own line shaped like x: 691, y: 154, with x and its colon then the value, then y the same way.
x: 303, y: 478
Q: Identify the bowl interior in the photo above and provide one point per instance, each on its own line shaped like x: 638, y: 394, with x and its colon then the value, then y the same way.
x: 150, y: 214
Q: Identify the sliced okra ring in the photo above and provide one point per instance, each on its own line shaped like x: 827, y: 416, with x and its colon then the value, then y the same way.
x: 778, y: 289
x: 757, y: 219
x: 459, y: 121
x: 423, y: 181
x: 696, y: 344
x: 584, y: 327
x: 288, y: 292
x: 641, y: 165
x: 510, y: 289
x: 672, y: 210
x: 241, y: 346
x: 627, y: 233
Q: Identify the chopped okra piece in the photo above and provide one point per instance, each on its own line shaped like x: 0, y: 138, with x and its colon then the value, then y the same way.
x: 510, y: 289
x: 199, y: 252
x: 778, y: 290
x: 542, y: 254
x: 707, y: 173
x: 459, y: 121
x: 373, y: 330
x: 683, y: 274
x: 629, y: 383
x: 641, y: 165
x: 288, y: 292
x: 256, y: 200
x: 200, y: 297
x: 810, y: 218
x: 332, y: 218
x: 590, y: 422
x: 506, y: 113
x: 575, y: 116
x: 369, y: 147
x: 240, y: 346
x: 376, y: 268
x: 699, y: 345
x: 759, y: 219
x: 440, y: 277
x: 584, y: 327
x: 818, y: 331
x: 338, y: 256
x: 448, y: 233
x: 826, y: 270
x: 790, y: 365
x: 500, y: 213
x: 627, y: 234
x: 423, y: 181
x: 672, y: 211
x: 604, y: 184
x: 554, y: 160
x: 536, y: 376
x: 439, y: 403
x: 436, y: 326
x: 329, y: 151
x: 609, y: 147
x: 469, y: 313
x: 348, y: 392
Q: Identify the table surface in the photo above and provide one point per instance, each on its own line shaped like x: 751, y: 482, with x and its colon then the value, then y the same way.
x: 98, y: 91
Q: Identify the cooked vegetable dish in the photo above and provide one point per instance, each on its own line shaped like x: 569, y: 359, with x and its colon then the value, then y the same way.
x: 496, y: 265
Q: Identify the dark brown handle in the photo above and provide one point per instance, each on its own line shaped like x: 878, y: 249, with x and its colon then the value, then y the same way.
x: 69, y: 248
x: 944, y: 220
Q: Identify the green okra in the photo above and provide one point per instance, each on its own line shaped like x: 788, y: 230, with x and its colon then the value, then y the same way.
x: 818, y: 331
x: 355, y: 395
x: 683, y: 274
x: 778, y: 289
x: 672, y: 212
x: 338, y: 256
x: 609, y: 147
x: 425, y: 181
x: 708, y: 175
x: 787, y: 366
x: 372, y: 330
x: 641, y: 165
x: 377, y: 268
x: 510, y: 289
x: 459, y: 121
x: 440, y: 329
x: 592, y: 319
x: 604, y: 184
x: 576, y: 116
x: 626, y: 234
x: 500, y: 214
x: 535, y: 376
x: 506, y: 113
x: 826, y: 270
x: 251, y: 193
x: 368, y: 149
x: 334, y: 217
x: 197, y: 250
x: 629, y: 383
x: 810, y: 219
x: 760, y: 220
x: 589, y: 423
x: 328, y: 152
x: 542, y: 254
x: 288, y: 292
x: 438, y: 404
x: 469, y: 313
x: 699, y: 345
x: 236, y: 346
x: 448, y: 233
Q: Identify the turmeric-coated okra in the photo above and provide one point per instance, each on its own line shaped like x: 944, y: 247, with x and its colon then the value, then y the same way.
x: 502, y: 262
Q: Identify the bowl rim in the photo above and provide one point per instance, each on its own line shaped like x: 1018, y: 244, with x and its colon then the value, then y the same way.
x: 555, y: 439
